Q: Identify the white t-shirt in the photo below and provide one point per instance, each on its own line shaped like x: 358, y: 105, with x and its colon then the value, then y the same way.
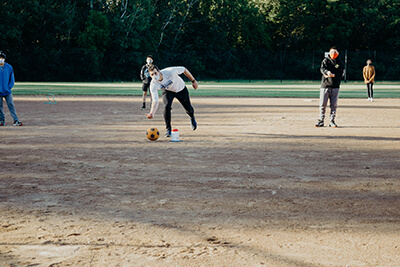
x: 171, y: 82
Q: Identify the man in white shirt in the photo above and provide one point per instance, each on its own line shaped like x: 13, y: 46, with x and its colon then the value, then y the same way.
x: 173, y: 86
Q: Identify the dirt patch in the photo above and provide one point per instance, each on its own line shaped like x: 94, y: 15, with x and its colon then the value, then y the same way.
x: 256, y: 184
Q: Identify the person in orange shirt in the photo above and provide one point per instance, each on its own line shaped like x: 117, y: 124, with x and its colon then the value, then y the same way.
x: 369, y: 79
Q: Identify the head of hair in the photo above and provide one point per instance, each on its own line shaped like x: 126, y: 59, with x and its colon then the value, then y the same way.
x: 2, y: 55
x: 153, y: 67
x: 150, y: 56
x: 333, y: 47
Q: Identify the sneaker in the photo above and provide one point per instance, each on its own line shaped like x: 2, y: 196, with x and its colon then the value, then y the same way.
x: 144, y: 106
x: 194, y: 124
x: 2, y: 123
x: 18, y: 123
x: 332, y: 124
x: 168, y: 133
x: 369, y: 99
x: 372, y: 100
x: 319, y: 124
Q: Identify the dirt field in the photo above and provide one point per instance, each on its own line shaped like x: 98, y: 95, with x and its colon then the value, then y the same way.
x: 255, y: 185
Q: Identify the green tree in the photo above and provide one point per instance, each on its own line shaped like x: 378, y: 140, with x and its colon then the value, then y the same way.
x: 96, y: 34
x: 94, y: 39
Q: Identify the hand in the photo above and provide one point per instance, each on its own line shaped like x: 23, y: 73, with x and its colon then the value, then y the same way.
x: 149, y: 116
x: 195, y: 85
x: 329, y: 75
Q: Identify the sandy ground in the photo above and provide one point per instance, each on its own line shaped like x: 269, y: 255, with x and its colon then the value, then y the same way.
x: 255, y: 185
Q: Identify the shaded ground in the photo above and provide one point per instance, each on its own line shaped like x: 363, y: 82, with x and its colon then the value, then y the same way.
x: 255, y: 185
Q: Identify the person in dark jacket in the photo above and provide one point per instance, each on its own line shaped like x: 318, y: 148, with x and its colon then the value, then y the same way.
x: 146, y: 79
x: 7, y: 81
x: 332, y: 70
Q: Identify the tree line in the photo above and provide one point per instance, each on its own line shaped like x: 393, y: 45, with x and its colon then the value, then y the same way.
x: 108, y: 40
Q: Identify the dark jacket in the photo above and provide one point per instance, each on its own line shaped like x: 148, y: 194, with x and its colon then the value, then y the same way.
x: 336, y: 67
x: 144, y: 74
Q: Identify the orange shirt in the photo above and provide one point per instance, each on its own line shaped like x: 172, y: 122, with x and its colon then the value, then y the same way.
x: 369, y: 74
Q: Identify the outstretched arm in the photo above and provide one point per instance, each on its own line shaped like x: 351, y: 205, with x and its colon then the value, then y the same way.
x: 154, y: 107
x: 154, y: 102
x: 190, y: 76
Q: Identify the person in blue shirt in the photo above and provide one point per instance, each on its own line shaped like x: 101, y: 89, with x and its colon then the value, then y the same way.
x: 7, y: 81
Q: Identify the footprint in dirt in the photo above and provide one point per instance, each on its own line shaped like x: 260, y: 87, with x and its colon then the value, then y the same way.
x: 215, y: 241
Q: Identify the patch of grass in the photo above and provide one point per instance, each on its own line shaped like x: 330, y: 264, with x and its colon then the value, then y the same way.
x: 234, y: 88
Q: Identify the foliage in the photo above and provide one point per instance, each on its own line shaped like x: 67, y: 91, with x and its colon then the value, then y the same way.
x: 106, y: 40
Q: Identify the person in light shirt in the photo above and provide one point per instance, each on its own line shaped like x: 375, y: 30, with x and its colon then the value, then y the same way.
x: 172, y: 86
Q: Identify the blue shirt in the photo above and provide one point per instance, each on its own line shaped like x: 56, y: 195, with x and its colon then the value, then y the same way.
x: 7, y: 79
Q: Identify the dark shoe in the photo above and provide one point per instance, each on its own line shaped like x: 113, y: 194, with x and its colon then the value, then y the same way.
x: 2, y: 123
x: 144, y: 106
x: 18, y: 123
x: 168, y: 133
x: 332, y: 124
x: 319, y: 124
x: 194, y: 124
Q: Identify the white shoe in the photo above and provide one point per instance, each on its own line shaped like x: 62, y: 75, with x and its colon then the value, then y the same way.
x: 369, y: 99
x: 372, y: 100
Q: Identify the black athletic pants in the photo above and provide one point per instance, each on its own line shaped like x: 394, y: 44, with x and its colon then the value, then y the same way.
x: 168, y: 98
x: 370, y: 90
